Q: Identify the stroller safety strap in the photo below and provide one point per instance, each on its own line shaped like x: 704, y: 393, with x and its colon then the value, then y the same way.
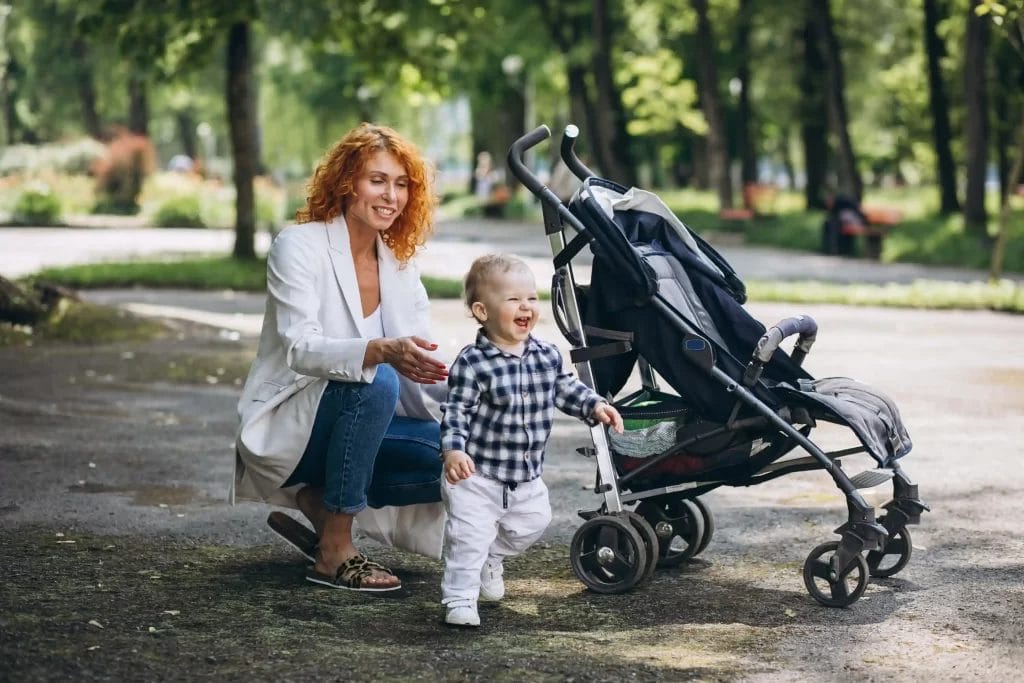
x: 566, y: 255
x: 589, y: 353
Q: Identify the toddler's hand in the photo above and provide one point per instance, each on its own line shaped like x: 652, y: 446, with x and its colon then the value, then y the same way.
x: 457, y: 466
x: 606, y: 414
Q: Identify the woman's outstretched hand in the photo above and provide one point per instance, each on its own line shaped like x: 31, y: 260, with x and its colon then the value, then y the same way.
x: 406, y: 355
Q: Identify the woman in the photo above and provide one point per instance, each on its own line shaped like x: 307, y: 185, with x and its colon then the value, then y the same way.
x: 339, y: 409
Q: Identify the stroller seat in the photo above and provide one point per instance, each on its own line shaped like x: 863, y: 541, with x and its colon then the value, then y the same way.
x: 662, y: 302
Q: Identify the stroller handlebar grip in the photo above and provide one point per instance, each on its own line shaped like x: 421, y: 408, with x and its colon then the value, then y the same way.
x: 515, y: 158
x: 568, y: 152
x: 802, y: 325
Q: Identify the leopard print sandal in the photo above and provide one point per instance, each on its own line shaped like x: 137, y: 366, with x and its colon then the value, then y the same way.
x: 350, y: 575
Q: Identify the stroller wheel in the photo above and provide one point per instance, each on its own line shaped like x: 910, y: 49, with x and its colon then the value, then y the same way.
x: 608, y: 554
x: 894, y: 556
x: 829, y: 588
x: 679, y: 525
x: 650, y: 540
x: 709, y: 525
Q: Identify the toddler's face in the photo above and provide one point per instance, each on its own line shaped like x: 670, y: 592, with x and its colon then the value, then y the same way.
x: 508, y: 308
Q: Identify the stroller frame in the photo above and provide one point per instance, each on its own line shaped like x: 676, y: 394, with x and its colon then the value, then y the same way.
x: 616, y: 549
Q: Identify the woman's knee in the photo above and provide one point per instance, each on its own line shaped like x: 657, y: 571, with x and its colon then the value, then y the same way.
x: 384, y: 388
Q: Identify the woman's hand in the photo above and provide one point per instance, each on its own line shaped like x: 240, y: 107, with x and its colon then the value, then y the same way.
x: 406, y: 355
x: 457, y: 466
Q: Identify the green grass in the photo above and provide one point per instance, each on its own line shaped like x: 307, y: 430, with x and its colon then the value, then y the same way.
x: 227, y: 273
x: 197, y: 273
x: 1002, y: 296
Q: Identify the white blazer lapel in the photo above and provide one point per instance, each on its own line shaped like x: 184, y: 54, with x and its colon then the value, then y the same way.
x: 393, y: 296
x: 344, y: 269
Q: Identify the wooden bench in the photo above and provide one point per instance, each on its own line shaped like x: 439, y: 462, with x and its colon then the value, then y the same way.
x: 880, y: 220
x: 758, y: 200
x: 494, y: 206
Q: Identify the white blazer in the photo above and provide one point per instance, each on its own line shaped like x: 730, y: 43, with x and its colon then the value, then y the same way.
x: 310, y: 335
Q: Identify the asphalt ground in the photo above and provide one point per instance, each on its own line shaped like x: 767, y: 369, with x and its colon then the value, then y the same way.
x: 116, y: 461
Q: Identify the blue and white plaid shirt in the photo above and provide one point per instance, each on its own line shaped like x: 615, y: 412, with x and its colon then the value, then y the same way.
x: 500, y: 406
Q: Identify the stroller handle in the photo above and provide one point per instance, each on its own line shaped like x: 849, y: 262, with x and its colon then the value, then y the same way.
x: 803, y: 325
x: 568, y: 152
x: 515, y: 158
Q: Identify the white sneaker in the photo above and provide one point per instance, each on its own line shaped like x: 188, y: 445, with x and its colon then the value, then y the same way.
x: 492, y: 585
x: 462, y: 614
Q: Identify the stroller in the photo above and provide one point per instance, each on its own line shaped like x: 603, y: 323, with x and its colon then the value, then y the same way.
x: 663, y: 301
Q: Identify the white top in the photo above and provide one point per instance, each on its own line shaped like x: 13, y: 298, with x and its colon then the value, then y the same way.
x: 372, y: 326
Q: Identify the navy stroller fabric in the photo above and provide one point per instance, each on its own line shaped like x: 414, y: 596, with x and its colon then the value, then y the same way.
x: 639, y: 255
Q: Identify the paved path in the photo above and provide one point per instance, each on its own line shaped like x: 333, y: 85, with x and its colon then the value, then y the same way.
x: 26, y: 250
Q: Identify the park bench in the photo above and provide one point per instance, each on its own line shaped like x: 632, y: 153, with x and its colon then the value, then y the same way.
x: 758, y: 200
x: 880, y: 221
x: 494, y: 205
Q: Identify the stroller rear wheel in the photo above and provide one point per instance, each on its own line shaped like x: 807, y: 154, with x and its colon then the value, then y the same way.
x: 709, y: 525
x: 679, y: 524
x: 832, y: 587
x: 608, y: 555
x: 892, y: 558
x: 650, y: 540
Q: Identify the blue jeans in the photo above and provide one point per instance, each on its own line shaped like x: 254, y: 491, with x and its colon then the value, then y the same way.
x: 362, y: 454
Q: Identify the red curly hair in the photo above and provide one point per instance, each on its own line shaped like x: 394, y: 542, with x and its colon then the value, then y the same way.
x: 333, y: 184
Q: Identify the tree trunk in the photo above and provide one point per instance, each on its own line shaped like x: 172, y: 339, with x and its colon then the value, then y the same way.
x: 813, y: 115
x: 583, y: 112
x: 186, y: 124
x: 570, y: 29
x: 1014, y: 177
x: 976, y: 101
x: 612, y: 149
x: 849, y: 180
x: 935, y: 50
x: 243, y: 137
x: 138, y: 105
x: 711, y: 103
x: 745, y: 142
x: 8, y: 87
x: 86, y: 87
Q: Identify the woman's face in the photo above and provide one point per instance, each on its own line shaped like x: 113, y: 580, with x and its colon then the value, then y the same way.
x: 380, y: 193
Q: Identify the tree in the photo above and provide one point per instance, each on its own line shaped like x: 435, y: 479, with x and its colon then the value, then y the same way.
x: 1011, y: 15
x: 849, y: 180
x: 242, y: 124
x: 585, y: 35
x: 147, y: 32
x: 935, y: 51
x: 711, y: 103
x: 745, y: 142
x: 813, y: 113
x: 976, y: 102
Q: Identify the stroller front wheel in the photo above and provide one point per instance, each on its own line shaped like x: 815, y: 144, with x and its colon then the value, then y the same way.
x: 834, y: 586
x: 892, y: 558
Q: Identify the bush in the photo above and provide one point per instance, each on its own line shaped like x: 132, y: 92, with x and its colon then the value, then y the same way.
x: 179, y: 212
x: 37, y: 206
x: 74, y: 157
x: 120, y: 174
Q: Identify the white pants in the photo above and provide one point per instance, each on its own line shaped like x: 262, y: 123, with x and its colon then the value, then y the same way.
x: 486, y: 520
